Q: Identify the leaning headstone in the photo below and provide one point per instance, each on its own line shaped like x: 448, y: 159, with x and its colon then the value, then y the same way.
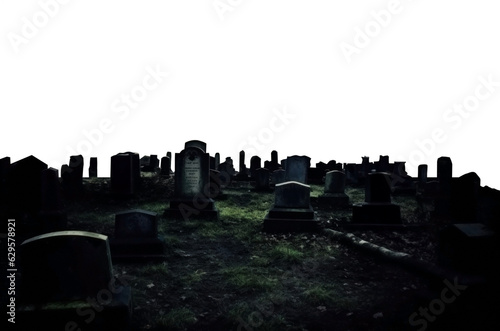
x: 125, y: 174
x: 64, y: 274
x: 297, y: 168
x: 51, y: 216
x: 262, y: 179
x: 93, y: 167
x: 136, y: 236
x: 72, y: 176
x: 192, y: 185
x: 377, y: 208
x: 292, y: 211
x: 334, y: 191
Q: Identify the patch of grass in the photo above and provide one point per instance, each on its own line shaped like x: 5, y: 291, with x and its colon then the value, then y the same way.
x: 176, y: 319
x: 154, y: 269
x: 248, y: 278
x: 194, y: 277
x: 319, y: 295
x: 285, y: 252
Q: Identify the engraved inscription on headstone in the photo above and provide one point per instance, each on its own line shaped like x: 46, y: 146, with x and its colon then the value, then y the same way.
x: 192, y: 174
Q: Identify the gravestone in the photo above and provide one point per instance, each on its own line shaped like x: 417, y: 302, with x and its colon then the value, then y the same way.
x: 255, y: 163
x: 465, y: 198
x: 165, y: 167
x: 292, y: 211
x: 334, y: 191
x: 422, y: 177
x: 65, y: 273
x: 72, y: 176
x: 24, y: 187
x: 196, y: 143
x: 51, y: 216
x: 192, y: 185
x: 278, y: 176
x: 125, y: 174
x: 377, y: 208
x: 149, y: 163
x: 444, y: 176
x: 243, y: 171
x: 383, y: 163
x: 226, y: 169
x: 93, y: 167
x: 297, y: 168
x: 273, y: 164
x: 262, y: 179
x: 136, y: 236
x: 217, y: 161
x: 468, y: 247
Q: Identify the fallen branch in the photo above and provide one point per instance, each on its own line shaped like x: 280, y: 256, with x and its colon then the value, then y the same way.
x: 404, y: 260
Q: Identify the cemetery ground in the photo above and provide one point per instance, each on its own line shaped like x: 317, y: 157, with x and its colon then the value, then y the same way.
x: 229, y: 275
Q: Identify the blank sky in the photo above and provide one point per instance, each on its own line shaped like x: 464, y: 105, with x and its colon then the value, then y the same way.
x: 414, y: 80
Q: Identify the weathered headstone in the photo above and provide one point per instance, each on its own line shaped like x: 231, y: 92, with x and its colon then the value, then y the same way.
x: 192, y: 184
x: 292, y: 211
x: 65, y: 273
x: 165, y: 167
x: 136, y: 236
x: 297, y: 168
x: 196, y: 143
x: 262, y: 179
x: 273, y: 164
x: 243, y: 171
x: 125, y: 174
x: 377, y: 208
x: 334, y: 191
x: 226, y: 169
x: 278, y: 176
x: 465, y: 198
x: 93, y: 167
x: 72, y: 176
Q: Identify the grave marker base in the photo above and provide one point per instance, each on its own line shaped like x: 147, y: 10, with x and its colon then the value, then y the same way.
x: 192, y: 209
x: 279, y: 220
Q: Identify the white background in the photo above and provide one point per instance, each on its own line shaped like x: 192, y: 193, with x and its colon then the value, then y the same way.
x: 232, y: 67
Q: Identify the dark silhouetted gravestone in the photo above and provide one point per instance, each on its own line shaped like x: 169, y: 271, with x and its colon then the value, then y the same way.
x: 262, y: 179
x: 292, y: 211
x: 383, y: 163
x: 66, y: 273
x: 51, y: 216
x: 422, y: 177
x: 216, y: 161
x: 136, y: 236
x: 468, y: 247
x: 442, y: 203
x: 192, y: 184
x: 125, y: 174
x: 165, y: 167
x: 377, y: 208
x: 334, y: 191
x: 93, y: 167
x: 72, y: 176
x: 24, y: 187
x: 297, y: 168
x: 273, y: 164
x: 465, y: 198
x: 149, y: 163
x: 255, y: 163
x: 226, y: 169
x: 243, y: 171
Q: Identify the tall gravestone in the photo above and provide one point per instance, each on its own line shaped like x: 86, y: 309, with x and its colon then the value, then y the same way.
x: 165, y: 167
x: 93, y: 167
x: 292, y: 211
x: 334, y: 191
x: 377, y: 208
x: 255, y: 163
x: 51, y: 216
x: 243, y: 171
x: 297, y: 168
x: 65, y: 273
x: 192, y: 184
x: 273, y: 164
x: 72, y: 176
x: 136, y: 236
x: 125, y: 174
x: 422, y: 177
x: 465, y: 198
x: 444, y: 177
